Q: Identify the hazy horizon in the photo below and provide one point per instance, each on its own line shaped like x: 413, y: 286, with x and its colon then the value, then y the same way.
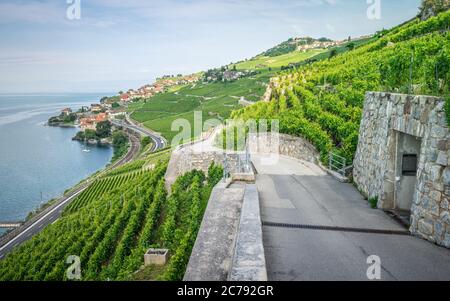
x: 117, y: 45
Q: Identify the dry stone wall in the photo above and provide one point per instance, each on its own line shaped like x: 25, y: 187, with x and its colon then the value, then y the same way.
x: 376, y: 174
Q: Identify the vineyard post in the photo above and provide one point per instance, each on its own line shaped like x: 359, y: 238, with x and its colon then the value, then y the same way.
x: 411, y: 73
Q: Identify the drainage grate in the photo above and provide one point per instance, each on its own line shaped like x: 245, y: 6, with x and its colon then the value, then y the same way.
x: 331, y: 228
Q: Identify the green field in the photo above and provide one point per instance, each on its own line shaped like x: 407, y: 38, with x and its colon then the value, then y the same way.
x: 264, y: 62
x: 214, y: 100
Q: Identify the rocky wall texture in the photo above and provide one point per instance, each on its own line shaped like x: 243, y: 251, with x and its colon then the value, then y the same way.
x: 376, y: 169
x: 285, y: 145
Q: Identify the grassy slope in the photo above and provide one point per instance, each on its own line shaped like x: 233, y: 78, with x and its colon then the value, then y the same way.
x: 278, y: 61
x: 214, y: 100
x: 343, y: 48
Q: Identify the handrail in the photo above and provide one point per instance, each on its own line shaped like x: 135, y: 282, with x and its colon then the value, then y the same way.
x: 339, y: 164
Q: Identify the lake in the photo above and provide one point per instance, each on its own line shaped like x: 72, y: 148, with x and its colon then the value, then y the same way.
x: 37, y: 162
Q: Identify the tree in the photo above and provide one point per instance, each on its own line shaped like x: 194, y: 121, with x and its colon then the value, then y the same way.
x: 119, y: 138
x: 350, y: 46
x: 103, y: 129
x: 89, y: 134
x: 69, y: 118
x: 333, y: 53
x: 145, y: 141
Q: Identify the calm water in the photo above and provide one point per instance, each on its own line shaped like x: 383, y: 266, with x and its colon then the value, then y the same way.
x: 36, y: 159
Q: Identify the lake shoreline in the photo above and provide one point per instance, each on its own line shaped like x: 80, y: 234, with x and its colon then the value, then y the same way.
x: 40, y: 157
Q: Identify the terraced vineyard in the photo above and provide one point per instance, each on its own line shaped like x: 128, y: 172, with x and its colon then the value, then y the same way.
x: 100, y: 187
x: 323, y: 101
x: 111, y: 225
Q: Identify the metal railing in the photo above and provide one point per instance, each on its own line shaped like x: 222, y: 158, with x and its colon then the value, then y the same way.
x: 338, y: 164
x: 244, y: 162
x: 226, y: 167
x: 241, y: 163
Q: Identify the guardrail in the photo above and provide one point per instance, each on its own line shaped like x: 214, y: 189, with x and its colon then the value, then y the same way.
x: 338, y: 164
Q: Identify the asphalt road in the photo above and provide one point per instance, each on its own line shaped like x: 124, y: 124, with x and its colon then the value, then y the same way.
x: 158, y: 141
x: 51, y: 214
x: 301, y: 206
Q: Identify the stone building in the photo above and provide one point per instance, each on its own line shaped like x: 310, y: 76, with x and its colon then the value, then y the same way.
x: 403, y: 160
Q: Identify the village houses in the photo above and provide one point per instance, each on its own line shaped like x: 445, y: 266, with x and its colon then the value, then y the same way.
x: 90, y: 122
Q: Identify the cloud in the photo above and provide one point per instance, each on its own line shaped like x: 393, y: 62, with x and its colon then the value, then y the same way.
x: 31, y: 11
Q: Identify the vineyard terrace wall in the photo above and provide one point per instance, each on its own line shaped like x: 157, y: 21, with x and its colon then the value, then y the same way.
x: 262, y: 143
x: 403, y: 160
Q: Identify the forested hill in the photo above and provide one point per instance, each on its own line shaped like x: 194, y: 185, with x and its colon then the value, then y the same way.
x: 323, y: 101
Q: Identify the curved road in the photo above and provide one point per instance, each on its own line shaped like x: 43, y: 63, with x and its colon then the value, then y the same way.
x: 51, y: 214
x: 158, y: 141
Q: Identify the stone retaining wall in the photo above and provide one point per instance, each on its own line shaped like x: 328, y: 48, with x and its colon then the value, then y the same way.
x: 386, y: 117
x: 286, y: 145
x: 268, y: 143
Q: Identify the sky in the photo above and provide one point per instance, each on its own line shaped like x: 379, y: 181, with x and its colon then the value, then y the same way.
x: 121, y: 44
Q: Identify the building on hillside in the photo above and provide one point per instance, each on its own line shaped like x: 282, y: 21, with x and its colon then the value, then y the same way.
x: 231, y: 75
x: 101, y: 117
x: 116, y: 113
x: 96, y: 108
x: 87, y: 123
x: 66, y: 111
x: 90, y: 122
x: 124, y: 98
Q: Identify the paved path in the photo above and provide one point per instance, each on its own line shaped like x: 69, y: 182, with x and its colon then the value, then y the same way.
x: 301, y: 195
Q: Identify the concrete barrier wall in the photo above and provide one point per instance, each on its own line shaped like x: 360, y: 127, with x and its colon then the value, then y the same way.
x: 249, y: 262
x: 213, y: 251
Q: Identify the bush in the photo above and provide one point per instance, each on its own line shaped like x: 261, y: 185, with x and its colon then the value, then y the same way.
x: 146, y: 141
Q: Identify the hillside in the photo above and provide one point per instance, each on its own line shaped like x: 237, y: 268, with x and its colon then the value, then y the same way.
x: 323, y: 101
x: 127, y: 210
x: 218, y: 99
x: 276, y: 62
x: 113, y: 223
x: 295, y: 44
x: 214, y: 100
